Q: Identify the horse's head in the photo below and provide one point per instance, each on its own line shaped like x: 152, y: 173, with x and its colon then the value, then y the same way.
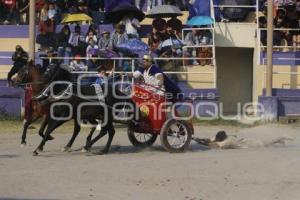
x: 26, y: 74
x: 50, y: 74
x: 55, y: 72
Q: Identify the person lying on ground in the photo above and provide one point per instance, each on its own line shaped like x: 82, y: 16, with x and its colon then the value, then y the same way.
x: 224, y: 141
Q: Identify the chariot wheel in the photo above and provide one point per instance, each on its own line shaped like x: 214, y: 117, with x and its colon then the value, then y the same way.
x: 175, y: 135
x: 141, y: 140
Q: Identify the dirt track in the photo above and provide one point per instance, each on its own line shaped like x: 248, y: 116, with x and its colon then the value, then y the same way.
x: 127, y: 173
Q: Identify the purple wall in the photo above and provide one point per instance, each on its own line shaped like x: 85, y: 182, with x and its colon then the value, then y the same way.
x: 282, y: 58
x: 11, y: 100
x: 287, y: 101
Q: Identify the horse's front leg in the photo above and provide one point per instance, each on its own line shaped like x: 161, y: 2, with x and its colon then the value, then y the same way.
x: 24, y: 133
x: 111, y: 133
x: 43, y: 127
x: 98, y: 137
x: 25, y: 128
x: 89, y: 137
x: 75, y: 134
x: 52, y: 125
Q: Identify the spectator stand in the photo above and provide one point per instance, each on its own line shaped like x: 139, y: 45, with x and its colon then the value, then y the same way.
x: 285, y: 92
x: 204, y: 52
x: 207, y: 96
x: 286, y: 34
x: 286, y: 46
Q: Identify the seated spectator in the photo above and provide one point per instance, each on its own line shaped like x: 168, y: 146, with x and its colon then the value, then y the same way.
x: 154, y: 40
x: 53, y: 13
x: 192, y: 38
x: 176, y: 25
x: 77, y: 41
x: 104, y: 41
x: 150, y: 3
x: 292, y: 19
x: 44, y: 11
x: 22, y: 7
x: 63, y: 42
x: 77, y: 64
x: 39, y: 4
x: 159, y: 24
x: 93, y: 28
x: 118, y: 37
x: 199, y: 38
x: 92, y: 48
x: 10, y: 7
x: 132, y: 26
x: 263, y: 33
x: 205, y: 52
x: 170, y: 33
x: 91, y: 35
x: 93, y: 63
x: 280, y: 22
x: 82, y: 7
x: 206, y: 37
x: 46, y: 38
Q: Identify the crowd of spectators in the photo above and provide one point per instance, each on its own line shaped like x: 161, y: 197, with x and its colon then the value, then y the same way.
x: 286, y: 17
x: 16, y: 11
x: 69, y: 41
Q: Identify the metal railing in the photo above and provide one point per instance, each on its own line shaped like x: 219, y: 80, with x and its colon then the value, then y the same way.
x: 132, y: 65
x: 280, y: 73
x: 261, y: 47
x: 212, y: 46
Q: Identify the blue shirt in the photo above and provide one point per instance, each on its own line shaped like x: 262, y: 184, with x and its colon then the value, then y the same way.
x: 100, y: 80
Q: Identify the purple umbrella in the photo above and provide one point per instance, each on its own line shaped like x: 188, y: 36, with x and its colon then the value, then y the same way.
x: 133, y: 47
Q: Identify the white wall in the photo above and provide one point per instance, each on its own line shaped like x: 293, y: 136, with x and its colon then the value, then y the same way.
x: 235, y: 35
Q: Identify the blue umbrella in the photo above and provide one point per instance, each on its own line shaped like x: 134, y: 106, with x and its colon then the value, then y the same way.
x: 171, y: 42
x: 133, y: 47
x: 200, y: 20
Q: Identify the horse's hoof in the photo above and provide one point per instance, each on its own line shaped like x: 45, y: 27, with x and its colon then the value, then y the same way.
x: 40, y: 150
x: 66, y: 149
x: 35, y: 153
x: 50, y: 137
x: 102, y: 152
x: 23, y: 144
x: 85, y: 150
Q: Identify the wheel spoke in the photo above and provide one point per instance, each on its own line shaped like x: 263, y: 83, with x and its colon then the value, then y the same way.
x: 173, y: 141
x: 142, y: 137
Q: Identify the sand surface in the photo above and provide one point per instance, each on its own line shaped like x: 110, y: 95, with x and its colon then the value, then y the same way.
x: 127, y: 173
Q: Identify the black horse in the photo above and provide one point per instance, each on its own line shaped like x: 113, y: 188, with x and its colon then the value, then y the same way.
x: 85, y: 105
